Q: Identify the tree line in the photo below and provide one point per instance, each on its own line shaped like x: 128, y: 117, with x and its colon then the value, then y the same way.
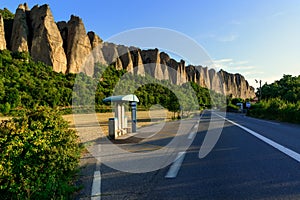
x: 280, y: 100
x: 25, y: 84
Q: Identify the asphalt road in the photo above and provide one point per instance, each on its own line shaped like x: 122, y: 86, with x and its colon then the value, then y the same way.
x: 241, y: 165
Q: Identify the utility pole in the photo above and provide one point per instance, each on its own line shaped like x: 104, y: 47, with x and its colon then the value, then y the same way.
x: 260, y: 95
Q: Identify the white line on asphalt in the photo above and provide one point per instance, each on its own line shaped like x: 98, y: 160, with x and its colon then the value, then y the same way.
x: 192, y: 134
x: 96, y: 187
x: 201, y: 115
x: 196, y: 126
x: 173, y: 171
x: 279, y: 147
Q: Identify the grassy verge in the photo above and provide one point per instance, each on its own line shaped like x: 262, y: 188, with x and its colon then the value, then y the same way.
x: 145, y: 118
x: 276, y: 109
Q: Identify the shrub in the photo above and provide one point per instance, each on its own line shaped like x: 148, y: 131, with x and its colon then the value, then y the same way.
x: 6, y: 14
x: 234, y: 101
x: 39, y: 156
x: 276, y: 109
x: 5, y: 108
x: 232, y: 108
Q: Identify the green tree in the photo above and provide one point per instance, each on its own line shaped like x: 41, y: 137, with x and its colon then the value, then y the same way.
x: 280, y: 100
x: 5, y: 108
x: 6, y: 14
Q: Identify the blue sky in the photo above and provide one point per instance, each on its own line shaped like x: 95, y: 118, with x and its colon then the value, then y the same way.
x: 258, y: 38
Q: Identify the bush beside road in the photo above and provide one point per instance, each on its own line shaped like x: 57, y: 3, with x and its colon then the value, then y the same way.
x: 39, y: 156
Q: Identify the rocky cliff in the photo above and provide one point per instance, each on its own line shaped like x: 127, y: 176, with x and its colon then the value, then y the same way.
x: 2, y: 34
x: 46, y: 43
x: 68, y: 48
x: 20, y: 30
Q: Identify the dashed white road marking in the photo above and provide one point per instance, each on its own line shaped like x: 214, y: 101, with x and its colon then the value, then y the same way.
x: 192, y: 134
x: 96, y: 187
x: 173, y: 171
x: 283, y: 149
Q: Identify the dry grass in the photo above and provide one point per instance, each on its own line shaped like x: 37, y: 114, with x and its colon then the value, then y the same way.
x: 145, y: 118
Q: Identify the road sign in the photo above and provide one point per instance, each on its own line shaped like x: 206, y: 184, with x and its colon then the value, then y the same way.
x: 248, y: 104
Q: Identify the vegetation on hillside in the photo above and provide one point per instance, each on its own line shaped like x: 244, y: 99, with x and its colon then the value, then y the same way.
x: 25, y: 84
x: 280, y: 100
x: 6, y: 14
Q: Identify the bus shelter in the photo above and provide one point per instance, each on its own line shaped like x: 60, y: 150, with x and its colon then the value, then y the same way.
x: 119, y: 124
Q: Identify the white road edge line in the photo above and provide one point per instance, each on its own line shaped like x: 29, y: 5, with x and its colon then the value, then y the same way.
x: 283, y: 149
x: 96, y: 187
x: 173, y: 171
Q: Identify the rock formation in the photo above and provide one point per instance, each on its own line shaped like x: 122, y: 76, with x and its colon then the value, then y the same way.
x: 137, y: 61
x: 78, y: 45
x: 20, y: 30
x: 125, y: 57
x: 173, y: 70
x: 95, y: 40
x: 68, y: 48
x: 223, y: 82
x: 96, y: 44
x: 164, y: 60
x: 47, y: 43
x: 63, y: 29
x: 2, y: 34
x: 152, y: 64
x: 110, y: 53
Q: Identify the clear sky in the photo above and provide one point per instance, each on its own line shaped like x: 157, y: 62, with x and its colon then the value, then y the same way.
x: 258, y: 38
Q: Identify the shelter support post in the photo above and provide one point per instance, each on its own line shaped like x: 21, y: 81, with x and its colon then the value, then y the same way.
x: 133, y: 116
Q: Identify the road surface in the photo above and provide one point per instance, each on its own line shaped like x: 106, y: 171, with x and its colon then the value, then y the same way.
x: 252, y: 159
